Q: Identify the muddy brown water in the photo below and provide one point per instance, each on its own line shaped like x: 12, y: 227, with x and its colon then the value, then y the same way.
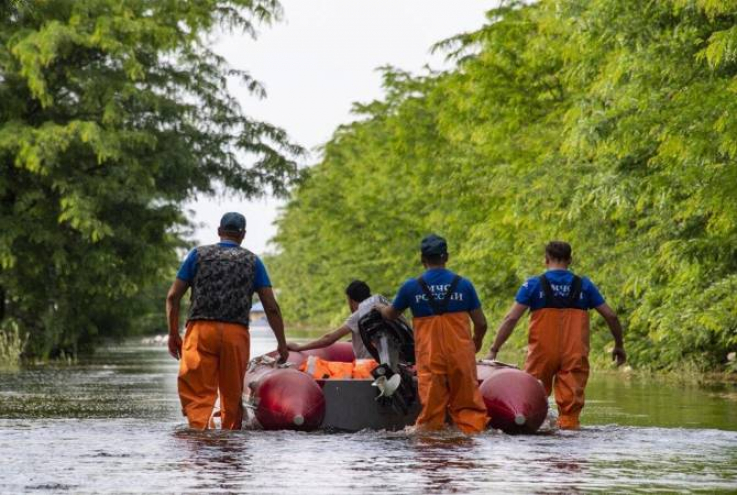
x: 112, y: 424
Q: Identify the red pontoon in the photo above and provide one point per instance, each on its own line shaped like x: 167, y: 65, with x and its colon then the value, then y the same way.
x: 284, y: 398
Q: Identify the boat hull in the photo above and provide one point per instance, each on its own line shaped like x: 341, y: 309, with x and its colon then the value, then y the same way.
x: 351, y: 406
x: 278, y: 398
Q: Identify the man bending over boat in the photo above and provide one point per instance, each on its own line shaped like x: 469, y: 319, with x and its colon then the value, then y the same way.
x: 558, y: 349
x: 360, y: 302
x: 223, y: 278
x: 443, y: 305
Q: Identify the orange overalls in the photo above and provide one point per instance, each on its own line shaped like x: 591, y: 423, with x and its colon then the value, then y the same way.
x: 559, y: 347
x: 446, y: 370
x: 214, y: 356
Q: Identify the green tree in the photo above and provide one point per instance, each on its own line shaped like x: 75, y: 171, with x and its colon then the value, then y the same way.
x: 112, y: 114
x: 609, y: 124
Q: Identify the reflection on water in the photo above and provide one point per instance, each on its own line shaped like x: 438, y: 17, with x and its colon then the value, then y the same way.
x: 113, y: 425
x: 213, y: 458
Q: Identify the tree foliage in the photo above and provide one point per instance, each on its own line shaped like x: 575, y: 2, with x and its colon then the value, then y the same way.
x: 609, y: 124
x: 111, y: 115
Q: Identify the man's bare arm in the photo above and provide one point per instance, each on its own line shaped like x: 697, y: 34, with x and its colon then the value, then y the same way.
x: 173, y: 299
x: 506, y: 328
x: 479, y: 327
x: 274, y: 317
x: 612, y: 321
x: 324, y: 341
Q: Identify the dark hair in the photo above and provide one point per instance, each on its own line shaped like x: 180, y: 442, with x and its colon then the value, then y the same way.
x: 358, y: 290
x: 558, y: 250
x: 435, y: 259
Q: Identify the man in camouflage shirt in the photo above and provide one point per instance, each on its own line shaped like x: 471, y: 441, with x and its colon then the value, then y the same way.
x: 223, y: 278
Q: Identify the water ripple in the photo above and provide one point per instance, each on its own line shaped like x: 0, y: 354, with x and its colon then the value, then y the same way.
x: 113, y: 426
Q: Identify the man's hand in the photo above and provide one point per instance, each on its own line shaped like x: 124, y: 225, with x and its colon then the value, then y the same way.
x: 175, y: 345
x: 273, y: 316
x: 615, y: 327
x: 283, y: 351
x: 619, y: 355
x: 293, y: 346
x: 479, y: 327
x: 506, y: 328
x: 478, y: 342
x: 176, y: 291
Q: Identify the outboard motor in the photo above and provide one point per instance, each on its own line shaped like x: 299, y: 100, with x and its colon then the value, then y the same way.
x: 392, y: 345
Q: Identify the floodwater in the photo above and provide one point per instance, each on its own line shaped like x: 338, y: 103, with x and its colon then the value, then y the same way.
x: 112, y: 425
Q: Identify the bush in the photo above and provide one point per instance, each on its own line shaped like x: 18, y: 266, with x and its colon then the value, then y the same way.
x: 12, y: 344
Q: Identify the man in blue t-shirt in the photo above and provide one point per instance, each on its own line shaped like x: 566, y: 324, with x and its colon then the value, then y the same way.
x: 443, y: 304
x: 223, y: 278
x: 558, y: 348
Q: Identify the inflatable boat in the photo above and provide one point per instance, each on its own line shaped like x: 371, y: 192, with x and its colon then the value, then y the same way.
x: 279, y: 396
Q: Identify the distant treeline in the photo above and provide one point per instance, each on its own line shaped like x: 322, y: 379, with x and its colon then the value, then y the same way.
x: 610, y: 124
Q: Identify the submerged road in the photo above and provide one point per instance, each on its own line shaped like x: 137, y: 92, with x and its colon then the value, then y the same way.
x: 112, y: 425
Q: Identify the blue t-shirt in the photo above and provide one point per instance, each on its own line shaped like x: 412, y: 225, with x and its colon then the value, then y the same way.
x: 531, y: 293
x: 411, y: 295
x: 189, y: 266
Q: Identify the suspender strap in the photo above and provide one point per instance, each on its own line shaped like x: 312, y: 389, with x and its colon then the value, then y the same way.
x: 449, y: 294
x: 547, y: 291
x: 555, y: 302
x: 575, y: 294
x: 439, y: 307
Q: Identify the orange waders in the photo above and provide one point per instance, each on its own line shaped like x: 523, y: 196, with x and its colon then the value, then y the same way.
x: 446, y: 373
x: 559, y: 347
x: 214, y: 355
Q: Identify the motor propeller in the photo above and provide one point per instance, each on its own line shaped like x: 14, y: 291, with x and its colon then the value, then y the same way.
x: 392, y: 345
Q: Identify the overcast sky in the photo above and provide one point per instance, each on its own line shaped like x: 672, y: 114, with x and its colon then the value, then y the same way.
x: 319, y: 60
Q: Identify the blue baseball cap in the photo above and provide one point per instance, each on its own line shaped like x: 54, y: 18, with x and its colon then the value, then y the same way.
x: 233, y: 222
x: 433, y: 245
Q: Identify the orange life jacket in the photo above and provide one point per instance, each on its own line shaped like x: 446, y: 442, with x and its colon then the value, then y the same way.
x: 321, y: 369
x: 362, y: 368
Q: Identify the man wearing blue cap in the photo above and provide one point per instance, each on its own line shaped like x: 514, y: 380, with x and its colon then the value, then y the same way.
x: 223, y: 278
x: 442, y: 303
